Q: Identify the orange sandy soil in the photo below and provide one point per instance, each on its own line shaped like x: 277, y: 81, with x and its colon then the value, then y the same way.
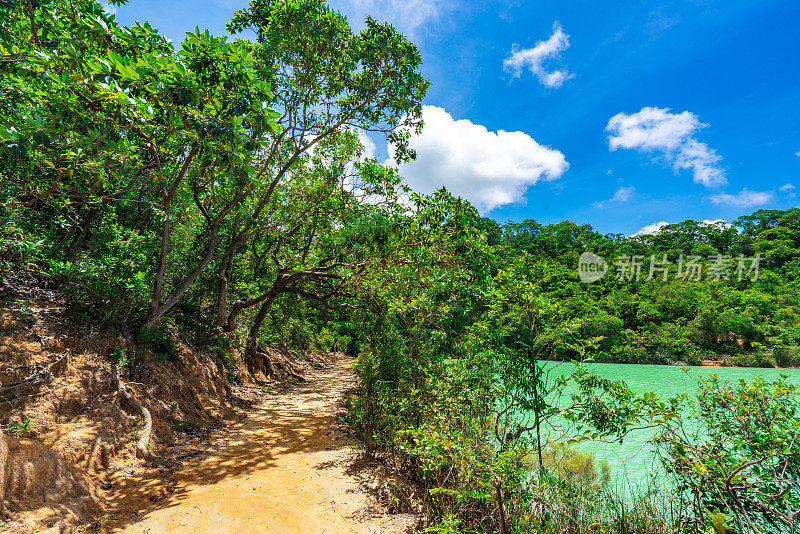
x: 286, y: 468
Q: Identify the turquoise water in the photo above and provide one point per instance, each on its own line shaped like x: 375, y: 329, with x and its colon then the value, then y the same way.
x: 633, y: 462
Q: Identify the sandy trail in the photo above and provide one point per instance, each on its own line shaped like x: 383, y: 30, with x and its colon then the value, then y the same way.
x: 284, y: 469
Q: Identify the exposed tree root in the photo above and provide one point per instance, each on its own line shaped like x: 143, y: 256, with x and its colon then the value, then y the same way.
x: 97, y: 447
x: 288, y: 369
x: 144, y: 438
x: 267, y: 363
x: 101, y: 453
x: 272, y: 366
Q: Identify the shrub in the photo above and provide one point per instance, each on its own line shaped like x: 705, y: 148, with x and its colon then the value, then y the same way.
x: 742, y: 473
x: 569, y: 464
x: 19, y: 248
x: 786, y: 356
x: 109, y: 283
x: 159, y: 340
x: 759, y: 358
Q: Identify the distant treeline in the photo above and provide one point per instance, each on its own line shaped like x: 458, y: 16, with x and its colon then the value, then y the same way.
x: 731, y: 290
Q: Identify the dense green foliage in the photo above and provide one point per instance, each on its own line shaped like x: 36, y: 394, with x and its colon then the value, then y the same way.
x: 224, y: 186
x: 150, y: 180
x: 736, y: 459
x: 454, y: 389
x: 734, y: 318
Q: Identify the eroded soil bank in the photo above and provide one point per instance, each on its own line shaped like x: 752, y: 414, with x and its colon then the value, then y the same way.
x: 270, y: 456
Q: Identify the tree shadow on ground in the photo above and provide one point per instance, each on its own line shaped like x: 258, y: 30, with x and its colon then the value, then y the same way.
x: 300, y: 419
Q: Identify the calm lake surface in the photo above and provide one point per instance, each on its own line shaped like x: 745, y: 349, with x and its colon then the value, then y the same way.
x: 633, y: 461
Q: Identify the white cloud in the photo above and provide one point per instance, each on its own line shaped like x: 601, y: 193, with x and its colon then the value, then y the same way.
x: 703, y: 161
x: 408, y: 16
x: 787, y: 187
x: 534, y: 58
x: 367, y: 143
x: 797, y: 154
x: 651, y: 229
x: 623, y: 194
x: 672, y: 136
x: 655, y: 228
x: 743, y: 199
x: 489, y: 169
x: 716, y: 222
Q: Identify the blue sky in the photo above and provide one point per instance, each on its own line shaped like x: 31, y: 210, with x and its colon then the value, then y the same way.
x: 620, y: 114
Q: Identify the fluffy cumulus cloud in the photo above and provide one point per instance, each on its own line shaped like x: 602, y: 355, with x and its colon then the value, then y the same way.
x: 671, y: 136
x: 788, y: 189
x: 743, y: 199
x: 623, y: 194
x: 489, y: 169
x: 535, y: 59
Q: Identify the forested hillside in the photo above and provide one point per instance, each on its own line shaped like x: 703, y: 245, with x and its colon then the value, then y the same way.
x: 716, y: 291
x: 221, y: 186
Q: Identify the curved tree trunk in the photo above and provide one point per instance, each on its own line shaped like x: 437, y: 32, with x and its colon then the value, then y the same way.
x: 224, y: 277
x: 159, y: 307
x: 500, y: 508
x: 236, y: 308
x: 259, y: 320
x: 277, y: 286
x: 239, y: 305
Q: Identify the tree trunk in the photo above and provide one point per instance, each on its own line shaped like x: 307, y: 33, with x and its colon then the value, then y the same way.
x: 259, y: 320
x: 239, y: 305
x: 225, y: 275
x: 157, y: 307
x: 77, y: 243
x: 536, y: 393
x: 501, y: 510
x: 224, y: 282
x: 539, y: 442
x: 236, y: 308
x: 161, y: 267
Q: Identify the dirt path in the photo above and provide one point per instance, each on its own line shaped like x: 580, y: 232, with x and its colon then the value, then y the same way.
x: 284, y: 469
